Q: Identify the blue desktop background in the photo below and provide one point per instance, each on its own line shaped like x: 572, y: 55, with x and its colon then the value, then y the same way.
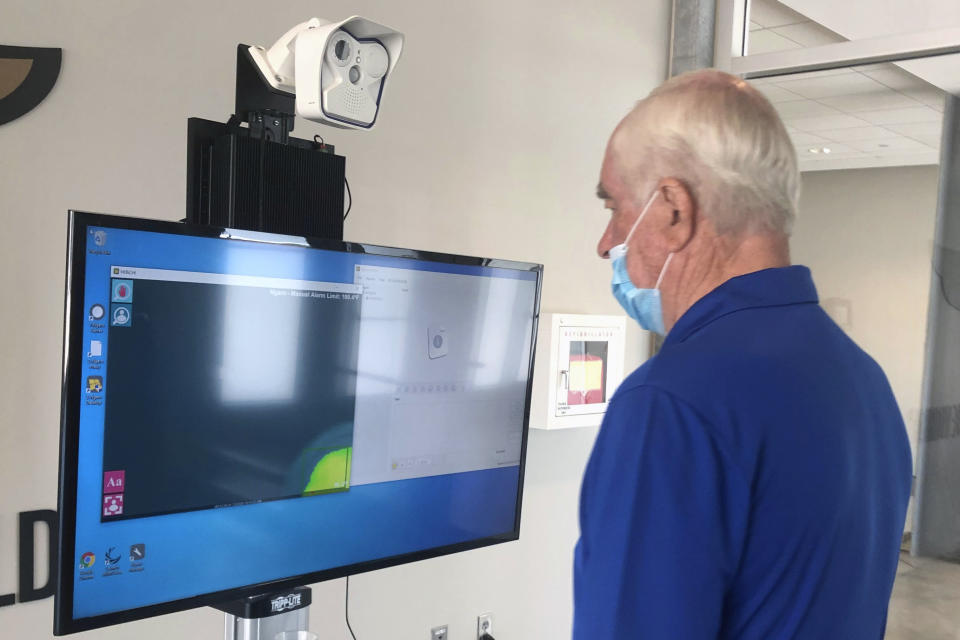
x: 198, y: 552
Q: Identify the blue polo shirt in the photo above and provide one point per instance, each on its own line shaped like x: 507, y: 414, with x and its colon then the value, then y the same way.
x: 750, y: 481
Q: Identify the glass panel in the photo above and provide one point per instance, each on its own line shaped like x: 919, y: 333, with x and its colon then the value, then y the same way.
x: 871, y: 116
x: 795, y: 24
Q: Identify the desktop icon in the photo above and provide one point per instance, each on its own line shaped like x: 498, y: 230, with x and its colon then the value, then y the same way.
x: 122, y: 291
x: 87, y: 560
x: 96, y: 349
x: 138, y: 552
x: 120, y: 315
x: 97, y: 312
x: 99, y: 238
x: 111, y: 558
x: 113, y: 481
x: 113, y: 505
x: 94, y: 384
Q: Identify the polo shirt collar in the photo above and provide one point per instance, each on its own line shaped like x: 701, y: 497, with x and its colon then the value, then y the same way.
x: 767, y: 288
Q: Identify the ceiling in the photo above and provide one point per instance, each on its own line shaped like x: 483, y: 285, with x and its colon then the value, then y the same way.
x: 870, y: 116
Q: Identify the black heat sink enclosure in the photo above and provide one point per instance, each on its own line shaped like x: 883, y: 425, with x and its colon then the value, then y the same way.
x: 242, y: 182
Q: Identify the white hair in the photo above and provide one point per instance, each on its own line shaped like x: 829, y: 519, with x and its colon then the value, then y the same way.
x: 724, y: 140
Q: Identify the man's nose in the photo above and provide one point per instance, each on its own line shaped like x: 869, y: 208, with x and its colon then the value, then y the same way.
x: 606, y: 242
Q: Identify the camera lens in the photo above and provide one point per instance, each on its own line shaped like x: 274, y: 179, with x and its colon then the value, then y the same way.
x: 342, y: 50
x: 354, y: 74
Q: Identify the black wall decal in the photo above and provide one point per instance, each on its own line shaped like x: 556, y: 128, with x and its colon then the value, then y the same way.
x: 27, y: 591
x: 44, y: 70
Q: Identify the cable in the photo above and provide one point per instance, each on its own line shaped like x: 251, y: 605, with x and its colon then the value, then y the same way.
x: 346, y: 608
x: 350, y: 205
x: 944, y: 291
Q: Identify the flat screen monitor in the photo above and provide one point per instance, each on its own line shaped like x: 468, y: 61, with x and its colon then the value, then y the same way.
x: 246, y: 411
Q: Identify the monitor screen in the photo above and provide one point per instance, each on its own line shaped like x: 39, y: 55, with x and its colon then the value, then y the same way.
x: 244, y: 410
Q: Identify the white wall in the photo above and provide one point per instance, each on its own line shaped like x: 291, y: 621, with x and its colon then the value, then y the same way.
x: 867, y: 234
x: 489, y: 144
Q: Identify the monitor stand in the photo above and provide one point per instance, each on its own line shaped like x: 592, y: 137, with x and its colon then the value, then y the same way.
x: 264, y: 616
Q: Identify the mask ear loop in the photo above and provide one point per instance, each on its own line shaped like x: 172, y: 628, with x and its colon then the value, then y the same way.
x: 640, y: 217
x: 663, y: 271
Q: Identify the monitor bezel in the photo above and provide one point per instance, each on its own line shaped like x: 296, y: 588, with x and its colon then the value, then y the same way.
x: 79, y: 222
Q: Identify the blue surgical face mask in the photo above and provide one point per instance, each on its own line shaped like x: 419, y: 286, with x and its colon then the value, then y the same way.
x: 643, y: 305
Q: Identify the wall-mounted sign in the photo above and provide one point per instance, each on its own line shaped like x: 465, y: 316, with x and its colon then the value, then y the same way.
x: 27, y: 74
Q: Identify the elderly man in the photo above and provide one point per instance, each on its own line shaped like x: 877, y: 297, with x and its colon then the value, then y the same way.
x: 751, y: 480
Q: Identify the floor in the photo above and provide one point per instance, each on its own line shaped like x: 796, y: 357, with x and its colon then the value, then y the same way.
x: 926, y: 601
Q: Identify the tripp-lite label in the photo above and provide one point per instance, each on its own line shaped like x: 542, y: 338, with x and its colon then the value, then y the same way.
x: 284, y: 603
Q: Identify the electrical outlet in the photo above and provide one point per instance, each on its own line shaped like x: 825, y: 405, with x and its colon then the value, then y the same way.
x: 484, y: 624
x: 438, y: 633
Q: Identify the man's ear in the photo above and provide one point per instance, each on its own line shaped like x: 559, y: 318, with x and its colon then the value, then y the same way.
x: 682, y: 218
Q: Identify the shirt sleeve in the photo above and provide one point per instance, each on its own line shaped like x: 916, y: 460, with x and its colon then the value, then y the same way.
x: 663, y: 515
